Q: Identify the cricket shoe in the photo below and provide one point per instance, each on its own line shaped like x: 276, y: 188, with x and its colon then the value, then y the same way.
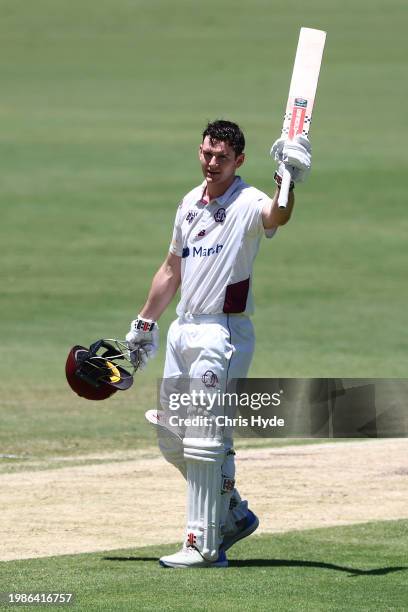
x: 190, y: 557
x: 245, y: 527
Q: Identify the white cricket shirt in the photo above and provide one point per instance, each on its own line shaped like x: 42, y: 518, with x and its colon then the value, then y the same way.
x: 218, y: 243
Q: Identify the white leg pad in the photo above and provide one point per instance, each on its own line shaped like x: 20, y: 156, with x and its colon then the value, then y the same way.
x: 170, y: 444
x: 204, y: 458
x: 172, y: 450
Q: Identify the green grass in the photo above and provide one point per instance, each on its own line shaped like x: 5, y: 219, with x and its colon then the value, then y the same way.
x: 101, y: 108
x: 100, y: 116
x: 362, y: 567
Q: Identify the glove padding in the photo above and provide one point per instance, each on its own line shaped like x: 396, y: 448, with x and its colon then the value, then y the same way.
x: 143, y: 341
x: 294, y: 154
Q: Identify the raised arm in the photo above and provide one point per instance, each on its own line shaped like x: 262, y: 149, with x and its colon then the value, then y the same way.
x: 295, y: 155
x: 273, y: 216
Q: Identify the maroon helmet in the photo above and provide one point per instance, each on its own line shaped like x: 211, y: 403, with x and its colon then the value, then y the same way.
x: 94, y: 373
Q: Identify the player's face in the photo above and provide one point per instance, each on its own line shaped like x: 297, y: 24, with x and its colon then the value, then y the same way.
x: 218, y: 161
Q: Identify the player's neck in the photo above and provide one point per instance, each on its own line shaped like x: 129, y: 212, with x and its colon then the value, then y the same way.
x: 215, y: 191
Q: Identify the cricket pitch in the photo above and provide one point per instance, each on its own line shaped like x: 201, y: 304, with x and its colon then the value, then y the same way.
x: 126, y: 500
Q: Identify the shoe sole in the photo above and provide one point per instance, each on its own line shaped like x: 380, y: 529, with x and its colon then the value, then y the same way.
x: 242, y: 534
x: 210, y: 565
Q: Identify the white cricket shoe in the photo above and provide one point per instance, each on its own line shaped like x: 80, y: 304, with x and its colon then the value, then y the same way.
x: 190, y: 557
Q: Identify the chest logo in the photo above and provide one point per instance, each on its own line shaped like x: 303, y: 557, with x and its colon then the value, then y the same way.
x: 191, y: 215
x: 220, y: 215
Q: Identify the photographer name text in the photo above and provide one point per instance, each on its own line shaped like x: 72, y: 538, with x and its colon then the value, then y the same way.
x: 224, y: 421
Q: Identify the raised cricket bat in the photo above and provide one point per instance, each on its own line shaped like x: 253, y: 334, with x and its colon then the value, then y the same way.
x: 302, y: 93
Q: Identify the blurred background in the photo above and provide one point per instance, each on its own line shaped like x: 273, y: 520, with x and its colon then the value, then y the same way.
x: 102, y: 107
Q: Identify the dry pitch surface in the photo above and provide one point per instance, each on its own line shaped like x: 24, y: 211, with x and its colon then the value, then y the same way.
x: 131, y: 500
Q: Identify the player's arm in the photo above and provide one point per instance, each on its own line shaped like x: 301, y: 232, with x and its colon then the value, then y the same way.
x: 273, y: 216
x: 296, y: 156
x: 165, y: 283
x: 143, y: 337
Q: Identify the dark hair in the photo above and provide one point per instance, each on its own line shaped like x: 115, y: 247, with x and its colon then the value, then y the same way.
x: 226, y: 131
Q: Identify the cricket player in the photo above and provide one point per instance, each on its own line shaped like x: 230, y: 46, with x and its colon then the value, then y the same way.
x: 217, y: 233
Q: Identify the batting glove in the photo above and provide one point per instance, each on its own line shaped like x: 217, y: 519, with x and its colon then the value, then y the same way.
x: 296, y: 154
x: 143, y: 341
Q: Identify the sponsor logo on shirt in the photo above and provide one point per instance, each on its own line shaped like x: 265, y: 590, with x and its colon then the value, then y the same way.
x: 201, y: 251
x: 191, y: 215
x: 220, y: 215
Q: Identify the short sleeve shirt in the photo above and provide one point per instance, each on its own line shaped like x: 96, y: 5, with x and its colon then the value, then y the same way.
x: 218, y: 243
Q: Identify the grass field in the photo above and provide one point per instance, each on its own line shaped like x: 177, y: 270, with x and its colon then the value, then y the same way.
x: 362, y: 567
x: 101, y: 109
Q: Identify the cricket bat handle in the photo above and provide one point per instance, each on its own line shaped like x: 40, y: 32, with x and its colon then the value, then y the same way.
x: 284, y: 190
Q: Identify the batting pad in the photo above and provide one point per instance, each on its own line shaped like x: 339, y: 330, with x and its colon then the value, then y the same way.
x: 204, y: 458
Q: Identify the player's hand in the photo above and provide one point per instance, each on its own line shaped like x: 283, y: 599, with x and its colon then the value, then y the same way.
x: 295, y: 154
x: 143, y: 341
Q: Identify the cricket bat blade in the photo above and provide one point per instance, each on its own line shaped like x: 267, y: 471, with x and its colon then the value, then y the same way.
x: 302, y: 92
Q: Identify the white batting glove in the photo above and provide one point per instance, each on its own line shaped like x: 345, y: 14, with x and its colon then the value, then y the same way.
x: 296, y: 154
x: 143, y: 340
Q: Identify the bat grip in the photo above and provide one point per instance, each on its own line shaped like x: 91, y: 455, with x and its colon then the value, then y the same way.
x: 284, y: 190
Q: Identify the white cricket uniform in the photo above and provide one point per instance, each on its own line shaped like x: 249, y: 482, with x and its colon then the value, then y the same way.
x: 212, y: 342
x: 218, y: 243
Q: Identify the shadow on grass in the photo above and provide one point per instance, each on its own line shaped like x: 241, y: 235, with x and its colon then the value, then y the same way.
x: 144, y: 559
x: 381, y: 571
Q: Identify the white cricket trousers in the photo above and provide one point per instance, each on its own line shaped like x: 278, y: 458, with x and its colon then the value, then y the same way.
x: 221, y: 344
x: 209, y: 351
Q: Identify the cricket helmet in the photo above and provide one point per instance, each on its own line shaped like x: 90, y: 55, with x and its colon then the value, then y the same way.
x: 97, y: 372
